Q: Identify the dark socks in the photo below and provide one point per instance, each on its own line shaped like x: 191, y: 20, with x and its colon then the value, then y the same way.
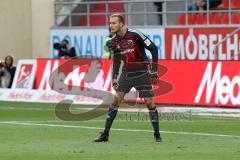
x: 153, y: 113
x: 112, y: 112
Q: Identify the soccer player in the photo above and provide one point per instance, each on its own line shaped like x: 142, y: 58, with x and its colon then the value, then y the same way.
x: 131, y: 68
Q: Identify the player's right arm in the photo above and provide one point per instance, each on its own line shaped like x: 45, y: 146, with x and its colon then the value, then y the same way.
x: 116, y: 61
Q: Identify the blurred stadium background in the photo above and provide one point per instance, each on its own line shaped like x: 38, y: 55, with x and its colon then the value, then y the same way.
x: 198, y: 57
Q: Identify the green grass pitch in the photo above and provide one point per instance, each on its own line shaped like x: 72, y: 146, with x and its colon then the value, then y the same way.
x: 33, y: 132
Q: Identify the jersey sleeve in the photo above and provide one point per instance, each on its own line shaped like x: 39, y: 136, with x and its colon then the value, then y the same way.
x: 149, y: 45
x: 115, y: 65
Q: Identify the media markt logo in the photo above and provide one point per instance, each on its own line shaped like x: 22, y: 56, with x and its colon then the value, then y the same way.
x: 227, y: 90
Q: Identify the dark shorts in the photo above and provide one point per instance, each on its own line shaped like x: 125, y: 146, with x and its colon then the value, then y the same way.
x: 140, y: 80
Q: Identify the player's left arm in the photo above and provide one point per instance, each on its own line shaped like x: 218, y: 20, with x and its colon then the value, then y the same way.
x: 149, y: 45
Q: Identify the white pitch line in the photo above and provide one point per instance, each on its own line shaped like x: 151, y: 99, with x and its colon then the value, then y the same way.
x: 118, y: 129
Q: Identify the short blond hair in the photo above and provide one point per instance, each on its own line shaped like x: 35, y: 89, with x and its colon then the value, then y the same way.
x: 120, y: 17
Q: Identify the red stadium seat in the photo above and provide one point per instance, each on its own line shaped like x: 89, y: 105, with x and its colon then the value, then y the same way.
x: 235, y: 4
x: 184, y: 19
x: 83, y: 21
x: 236, y: 18
x: 181, y: 19
x: 97, y: 20
x: 100, y: 20
x: 200, y: 18
x: 225, y: 18
x: 191, y: 18
x: 216, y: 18
x: 211, y: 18
x: 225, y: 3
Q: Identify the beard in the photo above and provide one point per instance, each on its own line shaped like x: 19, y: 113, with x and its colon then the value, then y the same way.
x: 117, y: 30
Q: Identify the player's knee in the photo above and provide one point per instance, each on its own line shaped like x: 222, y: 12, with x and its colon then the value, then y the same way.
x: 149, y: 103
x: 114, y: 106
x: 117, y: 100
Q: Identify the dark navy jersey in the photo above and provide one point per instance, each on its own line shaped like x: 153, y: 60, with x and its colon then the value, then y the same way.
x: 130, y: 50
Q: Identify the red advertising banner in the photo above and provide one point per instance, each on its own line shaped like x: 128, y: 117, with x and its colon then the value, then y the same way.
x: 202, y: 44
x: 207, y: 83
x: 211, y: 83
x: 74, y: 73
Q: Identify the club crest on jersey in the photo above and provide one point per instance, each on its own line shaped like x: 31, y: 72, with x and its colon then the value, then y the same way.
x: 126, y: 44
